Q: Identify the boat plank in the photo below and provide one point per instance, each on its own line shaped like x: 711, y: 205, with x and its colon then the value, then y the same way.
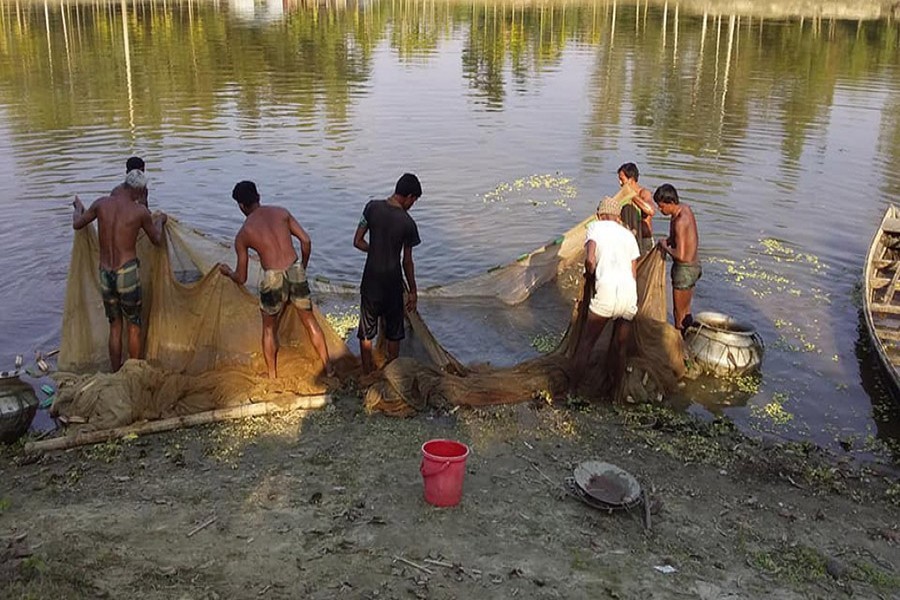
x: 885, y: 334
x: 890, y: 309
x: 891, y: 225
x: 891, y: 288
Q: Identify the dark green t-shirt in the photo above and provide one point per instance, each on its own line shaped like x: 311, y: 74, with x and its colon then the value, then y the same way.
x: 390, y: 230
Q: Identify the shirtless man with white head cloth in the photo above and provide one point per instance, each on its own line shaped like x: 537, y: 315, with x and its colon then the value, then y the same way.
x: 120, y: 218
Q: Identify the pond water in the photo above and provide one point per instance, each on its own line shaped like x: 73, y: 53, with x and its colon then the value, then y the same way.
x: 784, y: 136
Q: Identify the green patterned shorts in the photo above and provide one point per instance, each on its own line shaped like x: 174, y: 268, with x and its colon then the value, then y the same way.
x: 278, y: 287
x: 121, y: 291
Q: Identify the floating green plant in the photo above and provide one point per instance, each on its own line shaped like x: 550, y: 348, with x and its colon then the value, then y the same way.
x: 546, y: 342
x: 344, y: 323
x: 560, y: 188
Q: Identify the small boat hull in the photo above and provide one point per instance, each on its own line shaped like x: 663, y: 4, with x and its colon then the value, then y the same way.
x: 881, y: 295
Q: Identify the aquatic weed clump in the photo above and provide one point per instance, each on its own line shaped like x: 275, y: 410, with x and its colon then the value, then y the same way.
x: 546, y: 342
x: 536, y: 190
x: 344, y: 323
x: 773, y: 412
x: 681, y: 435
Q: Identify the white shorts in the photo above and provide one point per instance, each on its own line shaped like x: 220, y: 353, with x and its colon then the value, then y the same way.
x: 615, y: 302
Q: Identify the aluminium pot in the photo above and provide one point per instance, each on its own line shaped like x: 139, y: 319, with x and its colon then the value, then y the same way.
x: 724, y: 346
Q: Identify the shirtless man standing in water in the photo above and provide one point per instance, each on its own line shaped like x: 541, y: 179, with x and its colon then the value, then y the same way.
x: 681, y: 245
x: 120, y: 217
x: 267, y: 231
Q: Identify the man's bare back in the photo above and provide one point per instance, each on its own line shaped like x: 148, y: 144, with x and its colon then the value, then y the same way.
x: 267, y: 230
x: 119, y: 221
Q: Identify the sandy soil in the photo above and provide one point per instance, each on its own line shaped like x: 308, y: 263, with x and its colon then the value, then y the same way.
x: 323, y: 507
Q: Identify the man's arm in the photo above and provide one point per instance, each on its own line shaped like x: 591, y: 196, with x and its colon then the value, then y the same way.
x: 645, y: 202
x: 239, y: 276
x: 359, y: 238
x: 305, y: 242
x: 634, y: 269
x: 81, y: 217
x: 410, y: 270
x: 590, y: 258
x: 153, y: 227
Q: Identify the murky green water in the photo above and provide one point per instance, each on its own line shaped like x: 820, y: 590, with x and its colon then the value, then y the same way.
x: 783, y: 134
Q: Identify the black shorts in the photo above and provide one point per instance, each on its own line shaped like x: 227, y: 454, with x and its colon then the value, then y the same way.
x: 390, y: 309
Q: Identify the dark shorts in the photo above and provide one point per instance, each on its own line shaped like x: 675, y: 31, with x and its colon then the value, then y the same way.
x: 685, y: 276
x: 278, y: 287
x: 121, y: 291
x: 390, y: 309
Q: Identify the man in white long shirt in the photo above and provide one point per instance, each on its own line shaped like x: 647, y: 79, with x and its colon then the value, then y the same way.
x: 611, y: 265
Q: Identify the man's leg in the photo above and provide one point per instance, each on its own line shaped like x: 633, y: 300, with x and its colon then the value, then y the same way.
x: 394, y: 325
x: 134, y: 340
x: 681, y: 302
x: 619, y: 351
x: 317, y: 339
x: 115, y: 343
x: 593, y: 327
x: 270, y: 343
x: 392, y: 349
x: 365, y: 353
x: 368, y: 329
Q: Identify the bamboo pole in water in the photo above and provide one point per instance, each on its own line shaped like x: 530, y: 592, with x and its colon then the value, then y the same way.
x: 304, y: 403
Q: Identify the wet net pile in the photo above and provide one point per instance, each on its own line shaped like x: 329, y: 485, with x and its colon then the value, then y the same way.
x: 202, y: 339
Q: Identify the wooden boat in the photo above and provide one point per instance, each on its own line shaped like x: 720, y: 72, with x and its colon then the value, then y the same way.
x: 881, y: 302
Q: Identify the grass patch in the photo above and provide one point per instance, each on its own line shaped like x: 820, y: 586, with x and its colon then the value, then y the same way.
x: 796, y: 564
x: 875, y: 577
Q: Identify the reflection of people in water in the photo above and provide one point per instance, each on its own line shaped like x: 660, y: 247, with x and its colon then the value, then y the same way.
x: 611, y: 255
x: 637, y: 215
x: 681, y: 245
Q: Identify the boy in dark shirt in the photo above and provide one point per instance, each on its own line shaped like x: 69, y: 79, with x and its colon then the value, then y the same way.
x: 390, y: 229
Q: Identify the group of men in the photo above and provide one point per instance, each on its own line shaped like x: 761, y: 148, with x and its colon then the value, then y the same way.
x: 268, y: 231
x: 614, y: 244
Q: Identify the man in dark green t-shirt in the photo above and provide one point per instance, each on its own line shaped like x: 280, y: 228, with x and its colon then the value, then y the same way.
x: 390, y: 230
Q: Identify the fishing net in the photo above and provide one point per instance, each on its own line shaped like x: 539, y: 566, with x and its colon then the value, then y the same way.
x: 202, y: 338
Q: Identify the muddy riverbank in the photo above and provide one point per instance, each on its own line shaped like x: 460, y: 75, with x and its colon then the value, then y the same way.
x: 330, y: 505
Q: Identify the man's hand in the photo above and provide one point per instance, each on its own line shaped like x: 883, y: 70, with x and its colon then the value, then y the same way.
x: 664, y: 246
x: 226, y: 270
x: 411, y: 298
x: 79, y: 207
x: 161, y: 218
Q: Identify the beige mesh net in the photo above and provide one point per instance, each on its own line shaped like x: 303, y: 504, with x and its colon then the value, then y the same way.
x: 202, y: 339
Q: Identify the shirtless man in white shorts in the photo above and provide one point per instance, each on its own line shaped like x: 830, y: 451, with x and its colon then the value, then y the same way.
x: 611, y: 265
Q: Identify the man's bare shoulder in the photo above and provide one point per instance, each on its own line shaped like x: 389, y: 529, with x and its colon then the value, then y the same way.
x: 279, y: 211
x: 103, y: 204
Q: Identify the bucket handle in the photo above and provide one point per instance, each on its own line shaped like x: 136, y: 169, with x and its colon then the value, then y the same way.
x: 426, y: 473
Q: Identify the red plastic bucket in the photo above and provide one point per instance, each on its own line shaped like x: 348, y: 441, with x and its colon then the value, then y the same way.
x: 443, y: 468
